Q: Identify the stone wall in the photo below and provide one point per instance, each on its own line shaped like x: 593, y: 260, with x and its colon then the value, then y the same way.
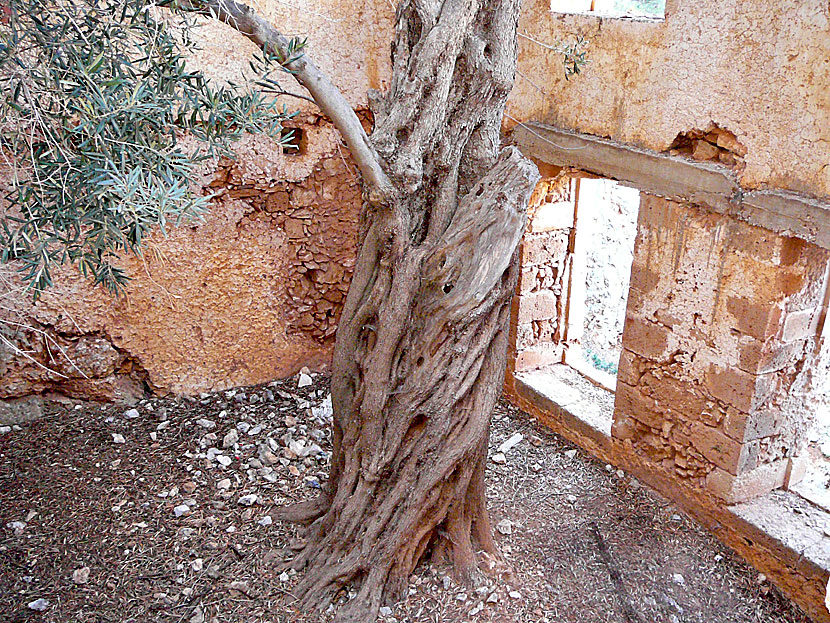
x: 250, y: 294
x: 756, y: 69
x: 543, y: 281
x: 719, y: 342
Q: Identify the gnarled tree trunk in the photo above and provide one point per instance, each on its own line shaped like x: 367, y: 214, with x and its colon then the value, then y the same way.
x: 421, y: 347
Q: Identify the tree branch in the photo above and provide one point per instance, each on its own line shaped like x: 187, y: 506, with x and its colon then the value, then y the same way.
x: 327, y: 96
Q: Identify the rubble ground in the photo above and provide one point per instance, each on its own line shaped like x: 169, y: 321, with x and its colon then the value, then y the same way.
x: 161, y: 513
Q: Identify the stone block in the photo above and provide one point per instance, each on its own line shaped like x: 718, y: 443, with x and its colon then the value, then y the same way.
x: 798, y: 325
x: 534, y: 359
x: 796, y: 471
x: 759, y: 320
x: 772, y: 355
x: 647, y: 339
x: 717, y: 447
x: 742, y: 390
x: 735, y: 489
x: 629, y: 401
x: 643, y: 278
x: 628, y: 370
x: 538, y: 306
x: 544, y: 249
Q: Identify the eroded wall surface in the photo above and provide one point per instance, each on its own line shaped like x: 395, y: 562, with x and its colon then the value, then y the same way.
x: 756, y: 68
x: 250, y: 294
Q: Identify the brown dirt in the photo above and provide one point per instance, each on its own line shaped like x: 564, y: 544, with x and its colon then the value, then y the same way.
x: 606, y: 554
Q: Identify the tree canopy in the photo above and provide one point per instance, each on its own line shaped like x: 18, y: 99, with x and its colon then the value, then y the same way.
x: 97, y: 97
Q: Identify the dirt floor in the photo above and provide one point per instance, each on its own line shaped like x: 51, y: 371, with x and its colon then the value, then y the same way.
x: 89, y: 531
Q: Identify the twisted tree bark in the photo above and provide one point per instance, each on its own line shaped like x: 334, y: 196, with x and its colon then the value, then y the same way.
x: 421, y: 347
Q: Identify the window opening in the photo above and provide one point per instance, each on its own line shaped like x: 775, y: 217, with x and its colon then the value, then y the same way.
x: 652, y: 9
x: 576, y: 271
x: 605, y: 225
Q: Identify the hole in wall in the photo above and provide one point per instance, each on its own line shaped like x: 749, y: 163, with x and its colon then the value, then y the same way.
x: 293, y: 141
x: 643, y: 9
x: 576, y: 271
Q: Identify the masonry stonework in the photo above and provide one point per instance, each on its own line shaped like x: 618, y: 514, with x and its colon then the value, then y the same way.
x: 718, y: 348
x: 251, y: 293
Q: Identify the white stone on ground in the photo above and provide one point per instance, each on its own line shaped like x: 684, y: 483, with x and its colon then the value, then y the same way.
x: 510, y: 443
x: 499, y: 458
x: 39, y: 605
x: 304, y: 380
x: 118, y: 438
x: 81, y: 576
x: 230, y: 439
x: 247, y: 500
x: 505, y: 526
x: 181, y: 510
x: 131, y: 414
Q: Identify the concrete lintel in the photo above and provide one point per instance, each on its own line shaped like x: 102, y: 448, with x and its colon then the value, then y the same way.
x: 705, y: 184
x: 789, y: 214
x: 659, y: 174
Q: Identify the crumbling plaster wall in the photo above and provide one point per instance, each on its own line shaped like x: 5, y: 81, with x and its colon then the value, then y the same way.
x: 254, y: 291
x: 251, y: 293
x: 759, y: 69
x: 719, y: 341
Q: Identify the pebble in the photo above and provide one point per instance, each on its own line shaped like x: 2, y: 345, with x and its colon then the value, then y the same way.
x: 118, y: 438
x: 224, y: 484
x: 181, y: 510
x: 17, y: 526
x: 570, y: 453
x: 477, y: 609
x: 385, y: 611
x: 493, y: 598
x: 205, y: 423
x: 81, y: 576
x: 498, y: 458
x: 678, y: 579
x: 243, y: 427
x: 247, y: 500
x: 514, y: 595
x: 230, y: 439
x: 4, y: 430
x: 265, y: 521
x: 571, y: 499
x: 256, y: 430
x: 304, y: 380
x: 510, y: 443
x: 198, y: 564
x: 163, y: 425
x: 223, y: 460
x: 131, y: 414
x: 284, y: 577
x: 505, y: 526
x: 39, y: 605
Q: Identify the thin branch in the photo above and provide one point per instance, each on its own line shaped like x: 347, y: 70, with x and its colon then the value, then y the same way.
x: 327, y: 96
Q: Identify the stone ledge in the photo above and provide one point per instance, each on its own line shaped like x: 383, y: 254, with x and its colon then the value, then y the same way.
x: 779, y: 533
x: 702, y: 183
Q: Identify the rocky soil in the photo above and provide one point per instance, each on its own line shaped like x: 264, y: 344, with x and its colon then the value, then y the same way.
x: 161, y: 513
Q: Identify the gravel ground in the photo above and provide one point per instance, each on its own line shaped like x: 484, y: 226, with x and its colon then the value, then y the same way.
x: 161, y: 514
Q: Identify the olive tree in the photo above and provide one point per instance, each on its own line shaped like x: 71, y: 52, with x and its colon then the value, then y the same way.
x: 97, y: 96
